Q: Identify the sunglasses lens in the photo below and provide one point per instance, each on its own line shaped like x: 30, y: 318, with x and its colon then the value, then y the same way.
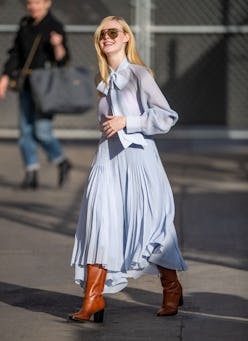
x: 111, y: 32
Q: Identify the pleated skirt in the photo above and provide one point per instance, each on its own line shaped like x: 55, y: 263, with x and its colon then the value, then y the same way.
x: 126, y: 216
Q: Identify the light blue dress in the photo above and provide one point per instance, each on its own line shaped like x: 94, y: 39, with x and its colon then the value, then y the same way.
x: 127, y: 213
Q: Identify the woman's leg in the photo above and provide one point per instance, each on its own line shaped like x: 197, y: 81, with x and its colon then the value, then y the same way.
x: 51, y: 146
x: 27, y: 141
x: 44, y: 135
x: 93, y: 299
x: 172, y: 292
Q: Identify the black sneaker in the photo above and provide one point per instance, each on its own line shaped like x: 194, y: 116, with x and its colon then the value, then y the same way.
x: 30, y: 180
x: 64, y: 168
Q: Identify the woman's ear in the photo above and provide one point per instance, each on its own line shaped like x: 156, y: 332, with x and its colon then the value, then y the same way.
x: 127, y: 37
x: 48, y: 4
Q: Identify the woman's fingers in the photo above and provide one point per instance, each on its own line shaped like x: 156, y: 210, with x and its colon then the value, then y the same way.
x: 108, y: 131
x: 56, y: 38
x: 114, y: 124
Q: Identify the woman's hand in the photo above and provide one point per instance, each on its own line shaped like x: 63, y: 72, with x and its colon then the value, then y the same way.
x: 4, y: 81
x: 56, y: 40
x: 112, y: 125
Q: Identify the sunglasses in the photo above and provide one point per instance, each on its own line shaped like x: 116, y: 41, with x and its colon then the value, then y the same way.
x: 111, y: 32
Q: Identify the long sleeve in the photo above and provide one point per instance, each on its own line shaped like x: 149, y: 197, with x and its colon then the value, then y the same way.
x: 14, y: 59
x: 60, y: 29
x: 157, y: 117
x: 24, y: 40
x: 132, y: 92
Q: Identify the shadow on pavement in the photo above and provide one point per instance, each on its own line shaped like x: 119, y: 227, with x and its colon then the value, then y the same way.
x: 204, y: 316
x: 36, y: 215
x: 60, y: 304
x: 57, y: 304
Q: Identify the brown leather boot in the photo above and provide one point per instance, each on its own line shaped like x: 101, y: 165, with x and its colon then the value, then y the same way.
x: 172, y: 292
x: 93, y: 299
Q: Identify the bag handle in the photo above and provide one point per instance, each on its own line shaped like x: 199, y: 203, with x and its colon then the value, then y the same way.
x: 31, y: 53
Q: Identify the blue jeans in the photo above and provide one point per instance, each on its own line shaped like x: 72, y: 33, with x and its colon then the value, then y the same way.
x: 35, y: 130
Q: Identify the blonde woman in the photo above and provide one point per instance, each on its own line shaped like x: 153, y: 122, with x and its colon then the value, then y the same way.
x: 125, y: 227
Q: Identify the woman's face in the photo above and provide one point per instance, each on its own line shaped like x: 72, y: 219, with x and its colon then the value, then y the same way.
x: 38, y: 9
x: 113, y: 41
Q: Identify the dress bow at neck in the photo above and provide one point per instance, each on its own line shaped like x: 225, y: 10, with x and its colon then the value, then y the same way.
x: 115, y: 80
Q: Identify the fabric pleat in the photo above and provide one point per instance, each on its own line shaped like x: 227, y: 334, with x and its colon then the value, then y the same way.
x: 126, y: 217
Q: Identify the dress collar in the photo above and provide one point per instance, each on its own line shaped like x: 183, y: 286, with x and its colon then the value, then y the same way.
x: 121, y: 67
x: 116, y: 79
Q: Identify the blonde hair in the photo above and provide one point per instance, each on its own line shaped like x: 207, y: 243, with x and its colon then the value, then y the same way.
x: 131, y: 51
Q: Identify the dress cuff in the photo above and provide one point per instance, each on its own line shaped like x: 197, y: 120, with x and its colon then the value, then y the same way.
x: 133, y: 124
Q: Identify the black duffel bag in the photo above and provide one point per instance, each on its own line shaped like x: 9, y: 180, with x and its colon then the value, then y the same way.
x: 62, y: 90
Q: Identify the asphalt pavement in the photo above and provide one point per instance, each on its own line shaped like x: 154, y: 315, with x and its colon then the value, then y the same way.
x: 209, y: 179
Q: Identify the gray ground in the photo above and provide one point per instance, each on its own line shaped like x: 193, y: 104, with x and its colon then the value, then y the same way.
x: 209, y: 180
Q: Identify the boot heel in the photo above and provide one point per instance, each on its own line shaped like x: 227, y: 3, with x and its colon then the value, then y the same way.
x: 98, y: 316
x: 180, y: 303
